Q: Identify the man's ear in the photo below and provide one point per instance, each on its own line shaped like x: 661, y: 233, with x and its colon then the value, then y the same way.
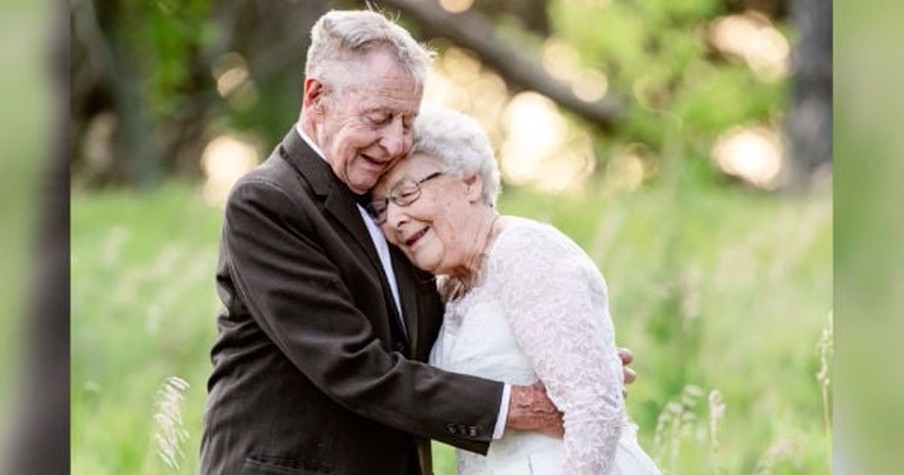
x: 313, y: 94
x: 473, y: 187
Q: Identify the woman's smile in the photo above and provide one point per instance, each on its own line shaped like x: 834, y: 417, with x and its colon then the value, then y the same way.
x: 416, y: 237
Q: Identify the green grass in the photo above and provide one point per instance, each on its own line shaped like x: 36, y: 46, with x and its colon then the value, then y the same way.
x: 714, y: 289
x: 143, y: 306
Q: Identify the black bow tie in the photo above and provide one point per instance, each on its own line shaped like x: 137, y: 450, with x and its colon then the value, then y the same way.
x: 362, y: 200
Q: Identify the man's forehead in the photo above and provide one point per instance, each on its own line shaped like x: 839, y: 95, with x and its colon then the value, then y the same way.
x: 393, y: 90
x: 394, y: 102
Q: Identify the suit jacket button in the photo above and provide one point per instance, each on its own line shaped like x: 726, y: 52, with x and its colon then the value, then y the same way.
x: 462, y: 430
x: 472, y: 431
x: 452, y: 429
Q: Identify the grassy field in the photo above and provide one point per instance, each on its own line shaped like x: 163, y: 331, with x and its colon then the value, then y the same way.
x: 724, y: 297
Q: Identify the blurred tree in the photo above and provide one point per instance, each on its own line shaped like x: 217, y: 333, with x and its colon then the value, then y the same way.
x: 532, y: 14
x: 153, y: 83
x: 140, y: 92
x: 267, y: 40
x: 104, y: 81
x: 670, y: 91
x: 777, y: 9
x: 41, y: 417
x: 144, y: 81
x: 809, y: 123
x: 473, y: 31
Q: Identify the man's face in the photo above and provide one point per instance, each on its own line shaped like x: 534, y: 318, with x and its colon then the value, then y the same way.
x: 366, y: 127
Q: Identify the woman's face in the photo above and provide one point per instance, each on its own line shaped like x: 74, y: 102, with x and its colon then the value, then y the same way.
x: 432, y: 230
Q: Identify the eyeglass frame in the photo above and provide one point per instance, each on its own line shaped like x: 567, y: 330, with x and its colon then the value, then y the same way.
x: 379, y: 216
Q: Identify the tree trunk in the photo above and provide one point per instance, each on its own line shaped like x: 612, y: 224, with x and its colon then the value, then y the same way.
x: 41, y: 442
x: 809, y: 123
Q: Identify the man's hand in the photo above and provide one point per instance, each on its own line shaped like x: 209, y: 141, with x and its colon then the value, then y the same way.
x: 627, y: 373
x: 626, y: 358
x: 531, y: 409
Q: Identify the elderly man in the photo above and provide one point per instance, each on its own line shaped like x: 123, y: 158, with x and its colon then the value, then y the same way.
x: 322, y: 326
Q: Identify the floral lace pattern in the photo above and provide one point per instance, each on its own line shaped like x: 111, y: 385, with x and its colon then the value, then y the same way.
x: 541, y: 312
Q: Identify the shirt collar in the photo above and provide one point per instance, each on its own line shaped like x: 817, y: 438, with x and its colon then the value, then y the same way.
x: 308, y: 140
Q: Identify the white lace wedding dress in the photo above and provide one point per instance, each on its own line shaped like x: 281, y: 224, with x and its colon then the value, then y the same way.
x: 541, y: 312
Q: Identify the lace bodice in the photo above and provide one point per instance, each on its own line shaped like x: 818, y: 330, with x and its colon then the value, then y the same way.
x: 541, y: 312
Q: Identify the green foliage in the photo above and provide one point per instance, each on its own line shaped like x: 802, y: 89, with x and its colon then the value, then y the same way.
x: 654, y: 53
x: 164, y: 39
x: 172, y: 34
x: 713, y: 290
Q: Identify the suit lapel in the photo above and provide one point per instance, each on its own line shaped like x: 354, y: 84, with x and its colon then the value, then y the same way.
x: 339, y: 202
x: 342, y: 206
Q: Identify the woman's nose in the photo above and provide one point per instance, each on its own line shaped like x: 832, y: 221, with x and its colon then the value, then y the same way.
x: 396, y: 217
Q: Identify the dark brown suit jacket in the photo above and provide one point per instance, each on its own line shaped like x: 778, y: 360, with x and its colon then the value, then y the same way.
x: 311, y: 371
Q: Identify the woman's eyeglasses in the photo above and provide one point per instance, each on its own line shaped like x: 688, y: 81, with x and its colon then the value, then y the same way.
x: 405, y: 192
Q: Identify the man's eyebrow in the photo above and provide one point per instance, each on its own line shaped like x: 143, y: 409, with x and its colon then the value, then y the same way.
x: 379, y: 108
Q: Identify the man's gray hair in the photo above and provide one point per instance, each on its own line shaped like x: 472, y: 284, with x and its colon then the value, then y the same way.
x: 341, y: 38
x: 460, y: 144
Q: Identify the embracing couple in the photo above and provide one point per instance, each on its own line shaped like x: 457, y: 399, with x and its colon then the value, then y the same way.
x: 374, y: 299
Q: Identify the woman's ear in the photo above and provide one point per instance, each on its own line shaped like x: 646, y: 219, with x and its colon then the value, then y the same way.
x: 473, y: 188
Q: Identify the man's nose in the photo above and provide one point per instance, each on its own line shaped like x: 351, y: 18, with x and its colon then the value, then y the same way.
x: 395, y: 139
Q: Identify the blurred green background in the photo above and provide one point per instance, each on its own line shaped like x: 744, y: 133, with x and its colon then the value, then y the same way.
x: 686, y: 146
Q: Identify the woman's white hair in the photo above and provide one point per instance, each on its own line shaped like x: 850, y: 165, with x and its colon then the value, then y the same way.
x: 460, y: 144
x: 341, y: 38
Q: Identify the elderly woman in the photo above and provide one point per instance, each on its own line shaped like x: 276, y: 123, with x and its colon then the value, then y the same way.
x: 523, y: 302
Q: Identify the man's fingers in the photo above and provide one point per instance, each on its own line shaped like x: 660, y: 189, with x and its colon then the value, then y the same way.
x: 553, y: 426
x: 630, y: 375
x: 541, y: 402
x: 626, y: 356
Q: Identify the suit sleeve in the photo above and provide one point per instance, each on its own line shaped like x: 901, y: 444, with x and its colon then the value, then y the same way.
x: 296, y: 294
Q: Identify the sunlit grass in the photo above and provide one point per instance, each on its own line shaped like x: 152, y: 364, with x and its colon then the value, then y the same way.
x: 143, y: 306
x: 720, y: 290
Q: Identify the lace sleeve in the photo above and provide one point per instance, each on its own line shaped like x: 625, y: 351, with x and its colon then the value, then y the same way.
x: 556, y: 304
